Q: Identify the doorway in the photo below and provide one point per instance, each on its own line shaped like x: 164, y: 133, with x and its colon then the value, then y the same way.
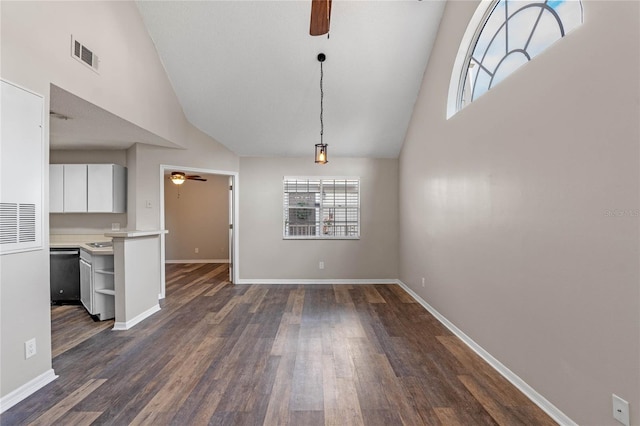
x: 225, y: 181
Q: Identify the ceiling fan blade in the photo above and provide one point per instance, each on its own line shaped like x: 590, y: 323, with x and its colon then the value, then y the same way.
x: 320, y: 17
x: 197, y: 178
x: 193, y: 176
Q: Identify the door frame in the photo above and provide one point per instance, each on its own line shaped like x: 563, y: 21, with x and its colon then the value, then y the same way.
x: 234, y: 255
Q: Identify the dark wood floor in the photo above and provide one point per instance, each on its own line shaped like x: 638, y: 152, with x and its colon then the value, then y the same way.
x: 270, y: 355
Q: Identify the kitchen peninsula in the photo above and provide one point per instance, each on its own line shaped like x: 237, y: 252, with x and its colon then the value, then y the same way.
x: 133, y: 272
x: 137, y: 268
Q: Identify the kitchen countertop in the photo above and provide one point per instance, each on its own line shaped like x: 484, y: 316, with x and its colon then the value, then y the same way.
x: 135, y: 234
x: 80, y: 241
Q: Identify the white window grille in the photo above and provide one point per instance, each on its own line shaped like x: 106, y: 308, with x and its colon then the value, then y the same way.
x: 321, y: 208
x: 504, y: 35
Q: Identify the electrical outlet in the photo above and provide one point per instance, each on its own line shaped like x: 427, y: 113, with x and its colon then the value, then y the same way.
x: 29, y: 348
x: 422, y: 281
x: 197, y: 250
x: 620, y: 409
x: 321, y: 265
x: 115, y: 226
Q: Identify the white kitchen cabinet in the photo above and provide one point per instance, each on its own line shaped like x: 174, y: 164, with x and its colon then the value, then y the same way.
x: 97, y: 291
x: 86, y: 295
x: 106, y: 188
x: 75, y: 188
x: 56, y: 188
x: 87, y: 188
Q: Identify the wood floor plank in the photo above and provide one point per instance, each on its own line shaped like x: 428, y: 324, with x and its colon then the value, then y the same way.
x: 71, y: 326
x: 223, y: 354
x: 448, y: 416
x: 278, y: 406
x: 80, y: 418
x: 307, y: 389
x: 67, y: 403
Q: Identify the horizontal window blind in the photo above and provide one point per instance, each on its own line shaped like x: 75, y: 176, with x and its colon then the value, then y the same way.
x: 321, y: 208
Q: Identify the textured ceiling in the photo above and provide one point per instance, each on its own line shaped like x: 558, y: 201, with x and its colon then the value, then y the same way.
x: 246, y: 72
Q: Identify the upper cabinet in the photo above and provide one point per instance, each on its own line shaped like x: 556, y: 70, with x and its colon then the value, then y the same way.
x: 87, y: 188
x: 106, y: 188
x: 56, y: 188
x: 75, y: 188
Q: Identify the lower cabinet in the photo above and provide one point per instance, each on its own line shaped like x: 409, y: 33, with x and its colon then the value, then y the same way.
x: 97, y: 292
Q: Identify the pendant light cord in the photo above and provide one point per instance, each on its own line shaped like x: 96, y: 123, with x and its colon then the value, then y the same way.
x: 321, y: 105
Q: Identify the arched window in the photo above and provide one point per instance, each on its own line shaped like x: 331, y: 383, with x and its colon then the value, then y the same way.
x: 502, y: 36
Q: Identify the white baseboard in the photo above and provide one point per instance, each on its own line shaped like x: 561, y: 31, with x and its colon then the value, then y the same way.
x: 316, y: 281
x: 513, y: 378
x: 119, y: 326
x: 29, y: 388
x: 198, y: 261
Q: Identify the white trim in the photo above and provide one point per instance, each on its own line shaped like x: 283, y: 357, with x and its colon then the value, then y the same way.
x: 26, y: 390
x: 198, y: 261
x: 513, y: 378
x: 119, y: 326
x: 316, y: 281
x: 461, y: 57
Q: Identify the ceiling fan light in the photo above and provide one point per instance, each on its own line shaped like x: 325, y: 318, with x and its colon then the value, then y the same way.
x: 178, y: 178
x: 321, y: 153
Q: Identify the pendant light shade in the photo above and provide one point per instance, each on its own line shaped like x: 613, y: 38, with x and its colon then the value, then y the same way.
x: 321, y: 148
x: 321, y: 153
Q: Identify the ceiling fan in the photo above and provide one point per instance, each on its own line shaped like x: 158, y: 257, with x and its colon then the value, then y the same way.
x: 179, y: 177
x: 320, y: 17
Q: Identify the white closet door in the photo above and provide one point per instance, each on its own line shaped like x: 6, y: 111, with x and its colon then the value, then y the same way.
x: 21, y: 169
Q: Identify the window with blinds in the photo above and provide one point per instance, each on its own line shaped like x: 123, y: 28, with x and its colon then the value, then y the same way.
x: 321, y: 208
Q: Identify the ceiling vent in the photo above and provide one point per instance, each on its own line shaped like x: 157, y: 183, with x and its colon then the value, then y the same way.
x: 83, y: 54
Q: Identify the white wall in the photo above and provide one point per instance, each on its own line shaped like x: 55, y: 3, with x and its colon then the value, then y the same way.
x: 132, y: 84
x: 265, y: 255
x: 196, y: 215
x: 503, y: 208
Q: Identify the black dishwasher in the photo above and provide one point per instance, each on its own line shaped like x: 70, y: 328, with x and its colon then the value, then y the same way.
x: 65, y: 276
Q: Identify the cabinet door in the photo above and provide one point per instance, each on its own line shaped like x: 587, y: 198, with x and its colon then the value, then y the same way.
x: 86, y: 290
x: 75, y: 188
x: 100, y: 188
x: 56, y: 188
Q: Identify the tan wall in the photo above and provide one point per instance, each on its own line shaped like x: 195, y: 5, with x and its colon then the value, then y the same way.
x: 201, y: 152
x: 196, y: 215
x: 265, y: 255
x: 503, y: 209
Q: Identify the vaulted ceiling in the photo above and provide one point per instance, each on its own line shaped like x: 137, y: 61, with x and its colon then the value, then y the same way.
x: 247, y: 74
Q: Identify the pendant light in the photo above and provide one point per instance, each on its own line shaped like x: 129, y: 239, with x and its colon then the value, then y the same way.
x: 321, y: 148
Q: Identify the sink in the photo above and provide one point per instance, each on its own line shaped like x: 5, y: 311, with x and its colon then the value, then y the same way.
x: 101, y: 244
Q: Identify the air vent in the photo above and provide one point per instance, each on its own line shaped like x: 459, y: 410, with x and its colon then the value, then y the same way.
x: 17, y: 223
x: 8, y: 223
x: 83, y: 54
x: 27, y: 223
